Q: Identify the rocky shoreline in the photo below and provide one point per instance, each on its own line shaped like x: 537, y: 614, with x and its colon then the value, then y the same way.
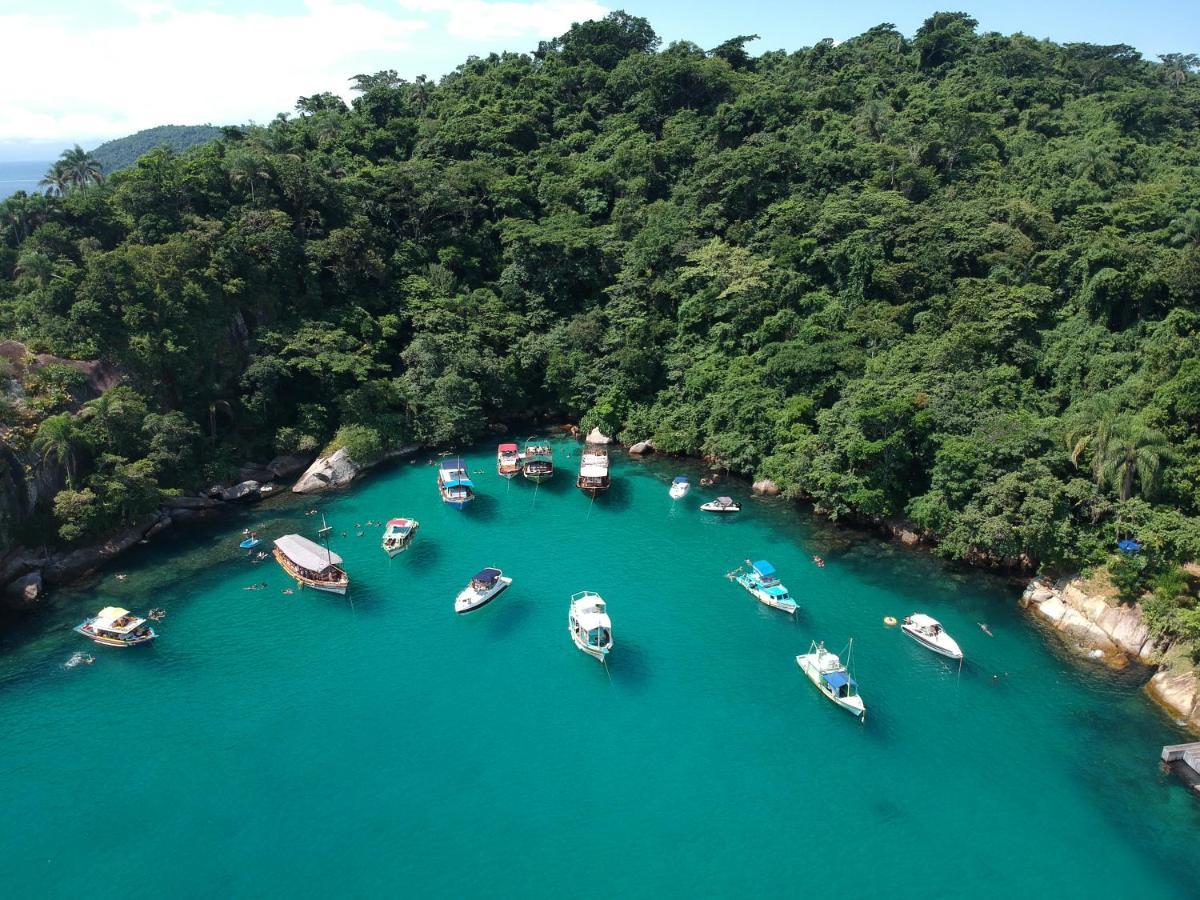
x: 1085, y: 614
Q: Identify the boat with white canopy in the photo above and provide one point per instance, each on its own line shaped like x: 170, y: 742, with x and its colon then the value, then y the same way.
x: 311, y: 564
x: 589, y: 624
x: 399, y: 535
x: 721, y: 505
x: 116, y: 627
x: 482, y: 590
x: 593, y: 471
x: 762, y: 581
x: 832, y: 678
x: 680, y: 487
x: 928, y: 632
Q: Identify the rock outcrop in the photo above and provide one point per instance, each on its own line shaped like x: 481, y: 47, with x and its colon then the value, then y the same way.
x: 596, y: 436
x: 26, y: 589
x: 288, y: 465
x: 766, y: 487
x: 641, y: 448
x: 1178, y: 692
x: 245, y: 490
x: 338, y: 469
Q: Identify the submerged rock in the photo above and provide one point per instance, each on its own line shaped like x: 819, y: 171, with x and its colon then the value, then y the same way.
x: 766, y: 486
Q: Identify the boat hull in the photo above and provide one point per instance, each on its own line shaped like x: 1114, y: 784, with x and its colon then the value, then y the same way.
x: 853, y: 705
x: 720, y: 509
x: 463, y: 608
x: 457, y: 503
x: 538, y: 477
x: 329, y: 587
x: 950, y: 650
x: 114, y: 642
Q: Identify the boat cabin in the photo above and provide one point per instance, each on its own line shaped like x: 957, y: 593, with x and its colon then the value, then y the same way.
x: 593, y: 470
x: 117, y: 627
x: 311, y: 564
x: 840, y: 684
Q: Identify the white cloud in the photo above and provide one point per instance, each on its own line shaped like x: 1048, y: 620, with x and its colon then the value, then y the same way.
x: 479, y: 20
x: 160, y: 65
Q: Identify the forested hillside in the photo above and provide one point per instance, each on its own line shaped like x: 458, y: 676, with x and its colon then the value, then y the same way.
x: 119, y: 153
x: 953, y: 278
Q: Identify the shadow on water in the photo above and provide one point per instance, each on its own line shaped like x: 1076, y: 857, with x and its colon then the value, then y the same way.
x: 508, y: 616
x: 483, y: 508
x: 617, y: 497
x: 629, y: 664
x: 423, y: 553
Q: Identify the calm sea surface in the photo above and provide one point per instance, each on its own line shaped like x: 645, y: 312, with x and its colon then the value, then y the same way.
x: 304, y: 745
x: 21, y: 176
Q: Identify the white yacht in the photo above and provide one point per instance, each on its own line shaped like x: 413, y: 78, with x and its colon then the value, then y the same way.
x: 481, y: 590
x: 832, y: 678
x: 928, y: 632
x: 680, y: 487
x: 590, y: 627
x: 722, y: 505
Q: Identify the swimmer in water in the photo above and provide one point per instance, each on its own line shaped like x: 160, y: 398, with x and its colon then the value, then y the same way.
x: 288, y: 591
x: 121, y: 577
x: 985, y: 629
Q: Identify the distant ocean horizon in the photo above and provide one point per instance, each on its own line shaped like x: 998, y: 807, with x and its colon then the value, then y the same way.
x: 21, y: 176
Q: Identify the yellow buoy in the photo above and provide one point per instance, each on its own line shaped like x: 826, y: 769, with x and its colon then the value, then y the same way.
x: 889, y: 620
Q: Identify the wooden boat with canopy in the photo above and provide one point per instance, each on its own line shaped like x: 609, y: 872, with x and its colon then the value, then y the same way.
x: 593, y: 471
x: 311, y: 564
x: 116, y: 627
x: 508, y: 461
x: 537, y: 462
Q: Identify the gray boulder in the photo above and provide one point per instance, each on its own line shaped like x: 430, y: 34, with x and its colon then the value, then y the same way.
x: 766, y: 487
x: 326, y: 472
x: 246, y: 490
x: 289, y: 465
x: 642, y: 447
x: 25, y: 589
x: 596, y: 436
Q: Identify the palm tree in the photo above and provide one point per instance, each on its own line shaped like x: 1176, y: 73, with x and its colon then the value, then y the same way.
x: 82, y: 167
x: 1186, y: 229
x: 1092, y: 430
x: 35, y: 265
x: 1134, y: 452
x: 246, y: 169
x: 56, y: 438
x: 57, y: 181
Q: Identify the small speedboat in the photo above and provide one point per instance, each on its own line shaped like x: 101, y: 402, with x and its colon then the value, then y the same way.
x: 832, y: 678
x: 250, y: 542
x: 399, y: 535
x: 928, y: 632
x: 481, y: 590
x: 721, y: 505
x: 589, y: 625
x: 116, y: 627
x: 680, y: 487
x: 762, y: 581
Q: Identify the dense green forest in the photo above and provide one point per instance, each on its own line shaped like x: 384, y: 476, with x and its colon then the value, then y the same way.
x: 123, y: 152
x: 952, y: 278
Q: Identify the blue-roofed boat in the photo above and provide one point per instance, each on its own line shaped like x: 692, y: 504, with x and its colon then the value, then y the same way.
x: 762, y: 581
x: 832, y: 678
x: 454, y: 484
x: 679, y: 487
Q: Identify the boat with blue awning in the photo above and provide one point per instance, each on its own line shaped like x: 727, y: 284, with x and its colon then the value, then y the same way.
x: 454, y: 484
x: 762, y: 581
x: 832, y: 678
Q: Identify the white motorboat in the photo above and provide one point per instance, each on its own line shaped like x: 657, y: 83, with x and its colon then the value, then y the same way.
x: 721, y: 505
x: 482, y: 590
x: 399, y: 535
x: 832, y: 678
x: 761, y: 580
x: 680, y: 487
x: 590, y: 627
x: 116, y: 627
x: 928, y: 632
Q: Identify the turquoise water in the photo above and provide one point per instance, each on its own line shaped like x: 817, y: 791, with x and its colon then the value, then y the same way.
x: 273, y: 745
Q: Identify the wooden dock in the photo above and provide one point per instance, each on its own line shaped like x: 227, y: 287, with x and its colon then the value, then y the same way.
x: 1184, y: 761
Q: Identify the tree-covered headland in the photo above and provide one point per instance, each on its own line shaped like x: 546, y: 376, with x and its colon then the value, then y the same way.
x: 952, y: 278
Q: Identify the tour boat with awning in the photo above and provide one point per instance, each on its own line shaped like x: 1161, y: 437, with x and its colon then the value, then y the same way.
x: 680, y: 487
x: 454, y: 484
x: 311, y: 564
x: 537, y: 462
x: 508, y: 461
x: 116, y: 627
x: 721, y: 505
x: 762, y: 581
x: 928, y: 632
x: 833, y: 679
x: 398, y: 535
x: 482, y: 590
x: 589, y: 625
x: 593, y: 471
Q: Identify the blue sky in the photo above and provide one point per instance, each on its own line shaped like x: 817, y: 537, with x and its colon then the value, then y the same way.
x: 87, y: 72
